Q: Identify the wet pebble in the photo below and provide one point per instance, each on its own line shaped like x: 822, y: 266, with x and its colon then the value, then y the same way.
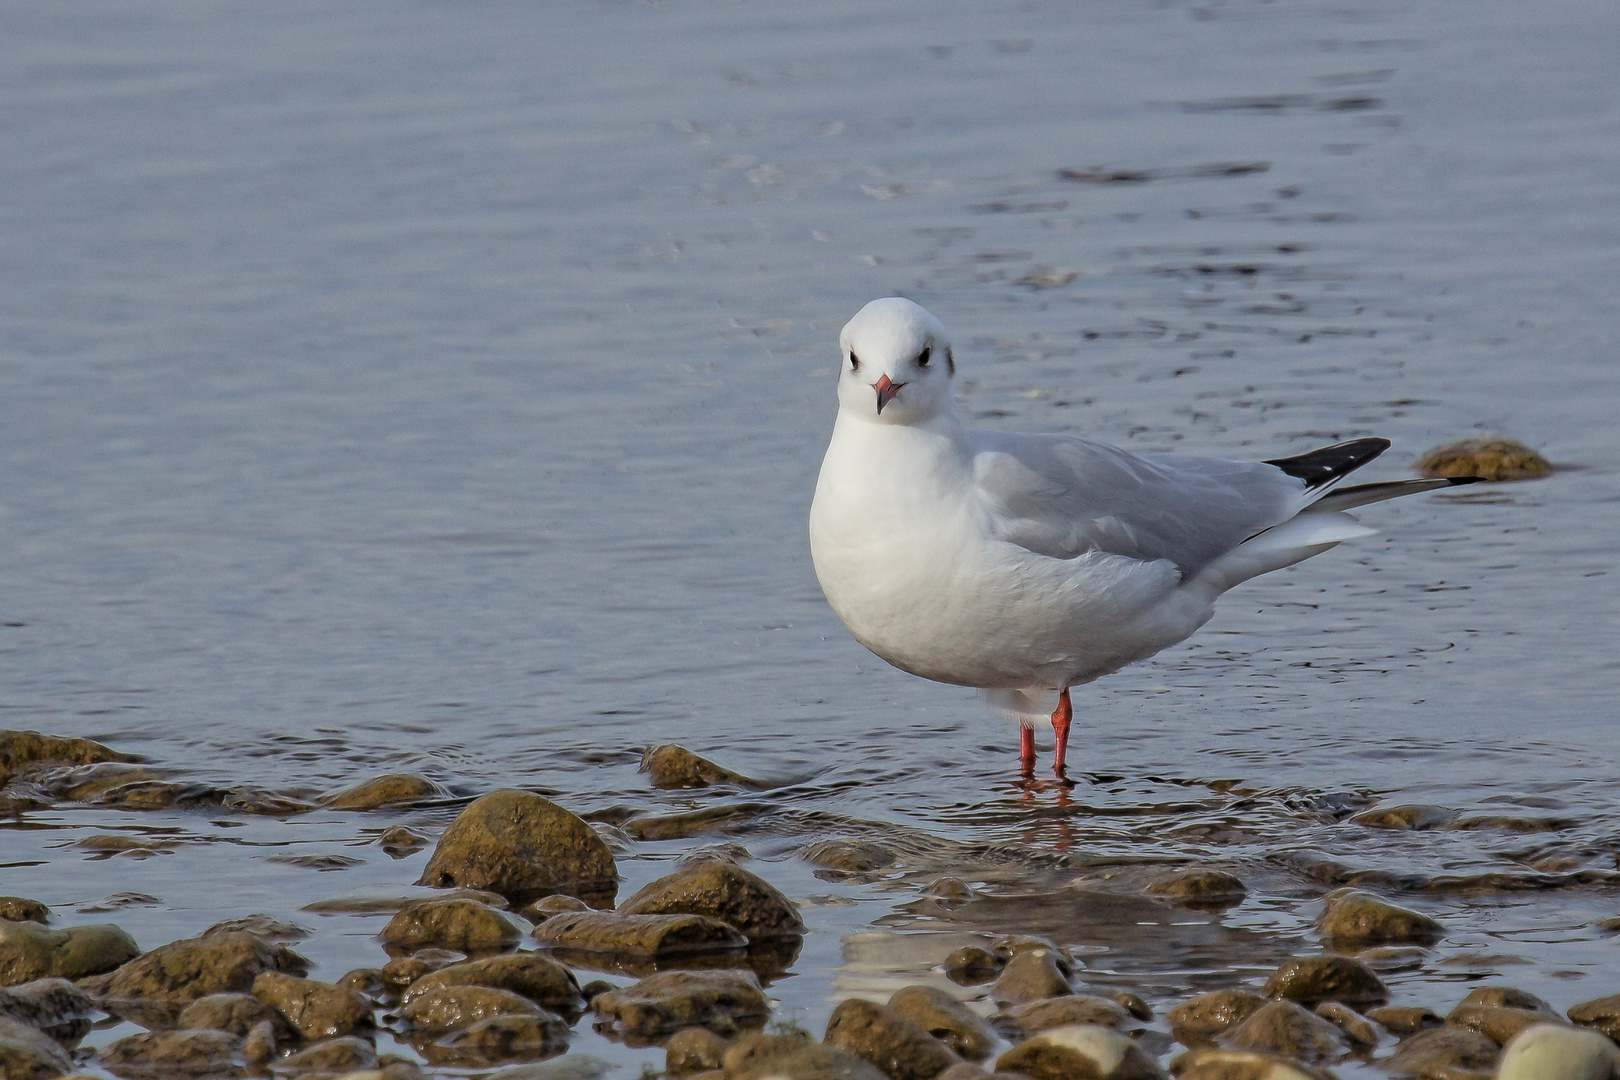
x: 1133, y: 1004
x: 1201, y: 1018
x: 851, y: 856
x: 522, y: 846
x: 462, y: 925
x: 1499, y: 1023
x: 1031, y: 976
x: 1312, y: 979
x: 30, y: 950
x: 693, y: 1050
x: 162, y: 1055
x: 673, y: 767
x: 259, y: 1045
x: 501, y: 1038
x: 638, y: 935
x: 971, y: 965
x: 1199, y: 888
x: 537, y: 978
x: 1404, y: 1020
x: 946, y: 1019
x: 26, y: 1054
x: 400, y: 841
x: 720, y: 890
x: 1282, y: 1027
x: 447, y: 1008
x: 1510, y: 997
x: 1447, y: 1046
x: 185, y: 970
x: 895, y: 1044
x: 1357, y: 1028
x: 21, y: 909
x: 1065, y: 1053
x: 722, y: 1001
x: 1353, y: 918
x: 402, y: 971
x: 238, y: 1014
x: 319, y: 1010
x: 1600, y: 1014
x: 338, y: 1055
x: 1037, y: 1016
x: 793, y: 1057
x: 389, y: 789
x: 1552, y: 1052
x: 547, y: 906
x: 1493, y: 458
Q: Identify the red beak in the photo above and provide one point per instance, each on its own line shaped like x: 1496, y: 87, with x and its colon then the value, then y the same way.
x: 886, y: 391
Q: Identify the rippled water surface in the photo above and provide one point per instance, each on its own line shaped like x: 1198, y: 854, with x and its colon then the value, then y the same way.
x: 441, y: 387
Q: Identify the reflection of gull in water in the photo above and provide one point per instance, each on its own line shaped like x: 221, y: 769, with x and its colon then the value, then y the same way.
x: 1026, y: 564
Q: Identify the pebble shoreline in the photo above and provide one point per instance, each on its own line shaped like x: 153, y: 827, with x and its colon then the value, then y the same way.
x: 483, y: 977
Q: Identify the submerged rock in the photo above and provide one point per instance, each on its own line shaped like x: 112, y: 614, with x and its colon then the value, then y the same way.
x: 400, y: 841
x: 21, y: 909
x: 19, y: 749
x: 895, y: 1044
x: 26, y: 1054
x: 1599, y: 1014
x: 332, y: 1056
x: 185, y: 970
x: 163, y: 1055
x: 946, y: 1019
x: 1499, y: 1023
x: 389, y: 789
x: 267, y: 927
x: 547, y: 906
x: 537, y: 978
x: 722, y: 1001
x: 720, y: 890
x: 446, y: 1008
x: 793, y: 1057
x: 1406, y: 817
x: 501, y: 1038
x: 29, y: 951
x: 401, y: 971
x: 522, y: 846
x: 1037, y: 1016
x: 1404, y: 1020
x: 1448, y: 1046
x: 693, y: 1050
x: 462, y: 925
x: 1207, y: 1015
x: 1353, y: 918
x: 1312, y: 979
x: 971, y: 965
x: 1210, y: 1063
x: 1281, y: 1027
x: 1357, y: 1028
x: 1031, y: 976
x: 1554, y: 1052
x: 1495, y: 457
x: 691, y: 823
x: 1199, y: 888
x: 238, y: 1014
x: 319, y: 1010
x: 852, y: 856
x: 1069, y: 1053
x: 638, y: 935
x: 671, y: 767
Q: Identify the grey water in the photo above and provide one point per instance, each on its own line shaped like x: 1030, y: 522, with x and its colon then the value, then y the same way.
x: 442, y: 387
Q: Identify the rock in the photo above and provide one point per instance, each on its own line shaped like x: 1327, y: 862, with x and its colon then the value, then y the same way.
x: 963, y: 1070
x: 522, y: 846
x: 1133, y: 1004
x: 1037, y: 1016
x: 971, y: 965
x: 1207, y: 1015
x: 1599, y: 1014
x: 638, y: 935
x: 366, y: 982
x: 946, y: 1019
x: 1450, y: 1046
x: 693, y: 1050
x: 1495, y: 457
x: 1404, y: 1020
x: 1498, y: 1023
x: 21, y: 909
x: 1081, y: 1052
x: 725, y: 850
x: 402, y: 971
x: 45, y: 1003
x: 318, y: 1010
x: 897, y: 1045
x: 853, y: 856
x: 1408, y: 817
x: 332, y: 1056
x: 1355, y: 1027
x: 1199, y: 888
x: 19, y: 749
x: 260, y: 1043
x: 690, y: 823
x: 373, y: 903
x: 1389, y: 958
x: 163, y: 1055
x: 29, y: 950
x: 263, y: 926
x: 1221, y: 1064
x: 462, y: 925
x: 26, y: 1054
x: 953, y: 890
x: 1554, y: 1052
x: 1008, y: 946
x: 1511, y: 997
x: 1312, y: 979
x: 722, y: 1001
x: 506, y: 1036
x: 547, y: 906
x: 537, y: 978
x: 1354, y: 918
x: 185, y: 970
x: 1031, y: 976
x: 238, y: 1014
x: 389, y: 789
x: 723, y: 891
x: 793, y: 1057
x: 596, y: 986
x: 670, y: 766
x: 1281, y: 1027
x: 446, y: 1008
x: 399, y: 841
x: 568, y: 1067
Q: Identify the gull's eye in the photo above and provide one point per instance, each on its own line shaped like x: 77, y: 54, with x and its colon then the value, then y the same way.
x: 922, y: 357
x: 854, y: 362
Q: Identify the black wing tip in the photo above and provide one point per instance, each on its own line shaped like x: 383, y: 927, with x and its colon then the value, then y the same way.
x: 1455, y: 480
x: 1325, y: 465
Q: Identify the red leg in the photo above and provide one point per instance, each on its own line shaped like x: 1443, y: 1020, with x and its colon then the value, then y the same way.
x: 1026, y: 750
x: 1061, y: 716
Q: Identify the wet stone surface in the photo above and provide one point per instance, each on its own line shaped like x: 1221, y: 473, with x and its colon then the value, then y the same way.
x: 522, y: 846
x: 896, y: 1045
x: 723, y: 1001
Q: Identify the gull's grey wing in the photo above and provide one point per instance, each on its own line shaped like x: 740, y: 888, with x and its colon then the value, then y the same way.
x: 1062, y: 495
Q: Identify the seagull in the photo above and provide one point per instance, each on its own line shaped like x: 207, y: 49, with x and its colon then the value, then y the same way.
x: 1026, y: 564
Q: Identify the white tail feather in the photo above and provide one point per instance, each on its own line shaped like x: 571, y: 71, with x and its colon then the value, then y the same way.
x: 1298, y: 538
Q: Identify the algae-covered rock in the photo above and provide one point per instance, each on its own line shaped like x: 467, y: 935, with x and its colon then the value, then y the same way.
x: 163, y: 1055
x: 1555, y: 1052
x: 547, y: 906
x: 1353, y: 918
x: 462, y: 925
x: 389, y: 789
x: 1034, y: 1017
x: 722, y: 1001
x: 341, y: 1055
x: 537, y: 978
x: 1080, y: 1052
x: 946, y: 1019
x: 185, y: 970
x: 1199, y: 888
x: 720, y: 890
x: 46, y: 1003
x: 971, y: 965
x: 238, y: 1014
x: 21, y: 909
x: 501, y: 1038
x: 1448, y: 1047
x: 851, y: 856
x: 447, y: 1008
x: 1495, y: 457
x: 895, y: 1044
x: 1511, y: 997
x: 522, y: 846
x: 1404, y: 1020
x: 19, y: 749
x: 1031, y: 976
x: 693, y: 1050
x: 793, y: 1057
x: 267, y: 927
x: 25, y: 1054
x: 670, y: 766
x: 1217, y: 1063
x: 1498, y: 1023
x: 1599, y: 1014
x: 319, y: 1010
x: 1281, y: 1027
x: 30, y: 950
x: 1207, y: 1015
x: 1355, y: 1027
x: 638, y: 935
x: 1312, y: 979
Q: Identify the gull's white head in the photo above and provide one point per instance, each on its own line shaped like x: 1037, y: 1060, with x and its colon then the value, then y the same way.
x: 897, y: 364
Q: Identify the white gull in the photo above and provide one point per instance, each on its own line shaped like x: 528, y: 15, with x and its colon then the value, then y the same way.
x: 1025, y: 563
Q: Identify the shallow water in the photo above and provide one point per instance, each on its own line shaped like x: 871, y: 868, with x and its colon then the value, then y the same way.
x: 413, y: 386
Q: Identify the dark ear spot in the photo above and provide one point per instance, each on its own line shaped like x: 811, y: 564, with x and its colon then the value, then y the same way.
x: 950, y: 360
